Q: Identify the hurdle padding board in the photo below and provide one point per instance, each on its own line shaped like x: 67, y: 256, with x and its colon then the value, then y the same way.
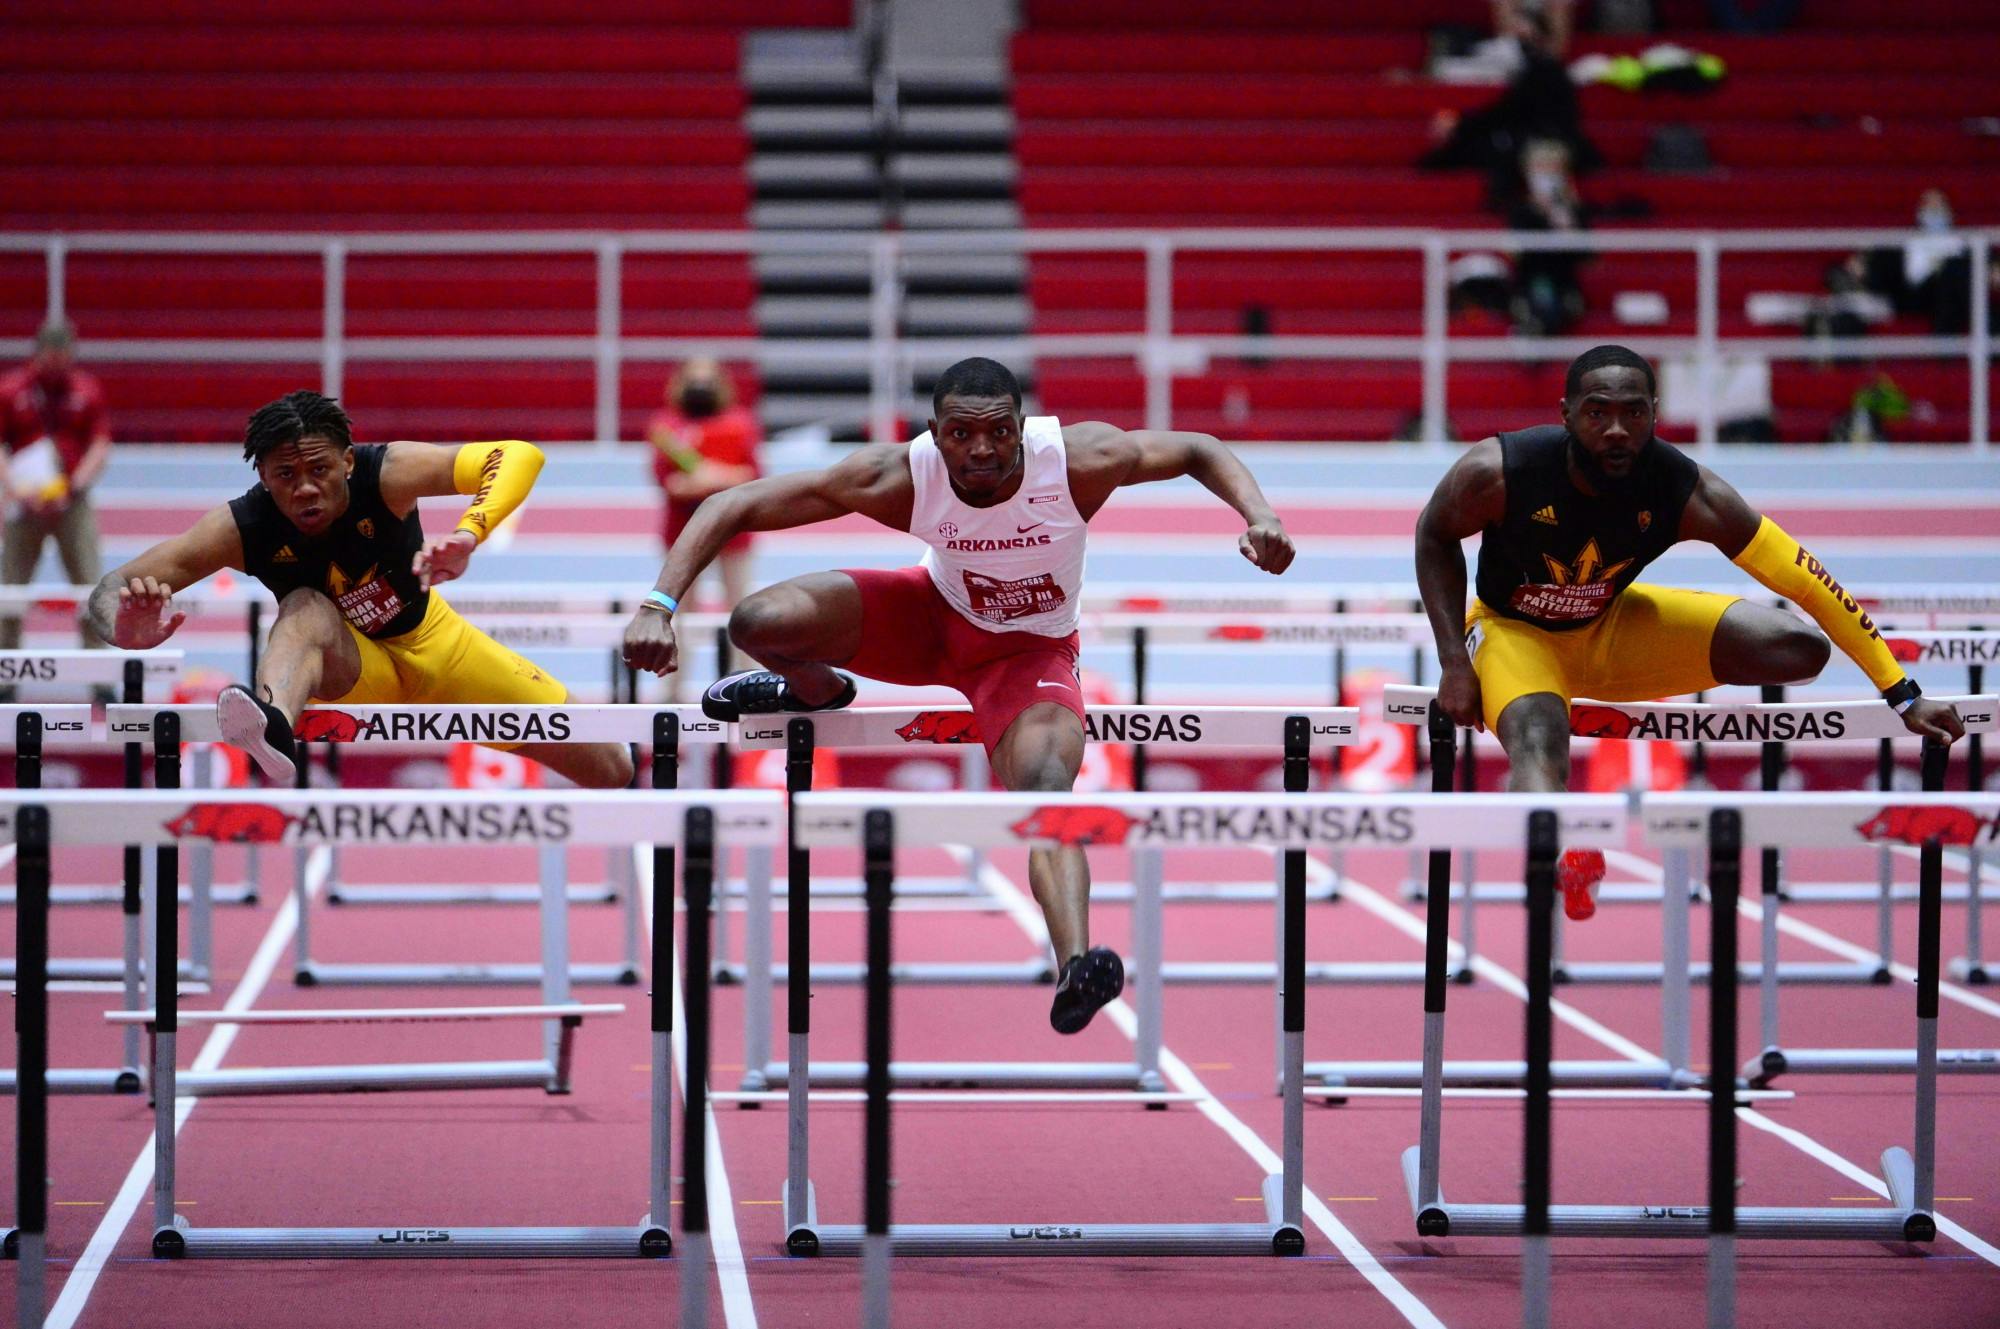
x: 85, y: 668
x: 64, y: 724
x: 529, y: 632
x: 1826, y: 820
x: 1927, y: 646
x: 1206, y: 821
x: 432, y: 725
x: 1314, y: 630
x: 391, y: 817
x: 1182, y: 726
x: 1714, y: 722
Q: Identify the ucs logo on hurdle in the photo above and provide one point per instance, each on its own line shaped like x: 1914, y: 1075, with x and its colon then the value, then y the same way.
x: 1916, y: 825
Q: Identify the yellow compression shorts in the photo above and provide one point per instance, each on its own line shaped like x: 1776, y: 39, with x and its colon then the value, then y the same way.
x: 446, y: 660
x: 1652, y: 642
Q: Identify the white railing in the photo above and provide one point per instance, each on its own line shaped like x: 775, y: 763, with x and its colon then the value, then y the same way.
x: 1159, y: 352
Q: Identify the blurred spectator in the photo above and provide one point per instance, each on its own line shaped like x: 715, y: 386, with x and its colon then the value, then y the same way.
x: 1929, y: 276
x: 1482, y: 286
x: 58, y: 440
x: 705, y: 443
x: 1548, y: 299
x: 1540, y: 102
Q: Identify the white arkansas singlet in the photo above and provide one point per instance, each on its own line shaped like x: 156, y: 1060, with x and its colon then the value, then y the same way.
x: 1014, y: 567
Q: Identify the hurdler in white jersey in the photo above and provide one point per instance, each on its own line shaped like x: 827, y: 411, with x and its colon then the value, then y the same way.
x: 1001, y: 504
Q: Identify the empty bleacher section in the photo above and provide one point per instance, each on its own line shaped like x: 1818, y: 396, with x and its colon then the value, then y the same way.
x: 333, y: 116
x: 1164, y: 113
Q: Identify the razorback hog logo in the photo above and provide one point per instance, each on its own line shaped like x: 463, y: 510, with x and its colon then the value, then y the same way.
x: 940, y: 727
x: 232, y: 823
x: 1599, y: 722
x: 1070, y: 824
x: 1903, y: 649
x: 326, y: 727
x: 1908, y: 825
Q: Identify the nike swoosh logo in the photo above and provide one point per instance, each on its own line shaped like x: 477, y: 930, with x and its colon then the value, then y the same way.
x: 1023, y: 530
x: 1044, y: 683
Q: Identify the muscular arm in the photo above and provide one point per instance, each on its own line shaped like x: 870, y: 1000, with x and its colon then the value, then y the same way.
x: 1471, y: 496
x: 497, y: 477
x: 1103, y: 458
x: 873, y: 481
x: 146, y: 584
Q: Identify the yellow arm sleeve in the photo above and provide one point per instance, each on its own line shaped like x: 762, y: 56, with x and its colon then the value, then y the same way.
x: 1779, y: 562
x: 498, y: 476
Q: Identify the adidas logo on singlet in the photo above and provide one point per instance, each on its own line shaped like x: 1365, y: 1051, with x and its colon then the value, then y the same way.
x: 1547, y: 516
x: 284, y: 555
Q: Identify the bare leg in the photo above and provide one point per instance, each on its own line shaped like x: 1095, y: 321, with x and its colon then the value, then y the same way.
x: 1041, y: 751
x: 1759, y: 644
x: 309, y: 654
x: 1535, y: 732
x: 801, y: 628
x: 591, y: 765
x: 734, y: 566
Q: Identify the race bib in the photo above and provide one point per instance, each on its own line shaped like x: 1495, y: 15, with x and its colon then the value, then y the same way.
x: 1000, y: 601
x: 1563, y: 604
x: 370, y: 604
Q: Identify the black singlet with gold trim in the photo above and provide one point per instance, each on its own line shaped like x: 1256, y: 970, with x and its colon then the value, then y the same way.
x: 361, y: 563
x: 1559, y: 555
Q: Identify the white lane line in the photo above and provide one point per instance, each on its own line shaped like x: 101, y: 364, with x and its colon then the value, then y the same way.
x: 725, y: 1245
x: 1029, y: 918
x: 1380, y: 905
x: 1794, y: 927
x: 139, y: 1181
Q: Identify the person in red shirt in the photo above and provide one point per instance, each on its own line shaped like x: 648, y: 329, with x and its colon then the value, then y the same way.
x: 57, y: 441
x: 703, y: 444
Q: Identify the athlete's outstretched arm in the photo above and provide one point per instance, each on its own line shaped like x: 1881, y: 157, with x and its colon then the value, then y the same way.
x: 497, y: 476
x: 873, y: 481
x: 1471, y: 496
x: 1717, y: 514
x: 133, y: 606
x: 1104, y: 457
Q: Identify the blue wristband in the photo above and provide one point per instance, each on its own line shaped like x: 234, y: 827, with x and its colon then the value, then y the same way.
x: 661, y: 600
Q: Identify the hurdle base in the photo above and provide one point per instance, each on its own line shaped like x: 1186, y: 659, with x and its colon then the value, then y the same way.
x: 1769, y: 1064
x: 1866, y: 973
x: 967, y: 1075
x: 1035, y: 971
x: 108, y: 969
x: 111, y: 1080
x: 318, y: 975
x: 1902, y: 1222
x: 1973, y: 975
x: 1513, y: 892
x: 253, y: 1081
x: 181, y: 1241
x: 416, y: 893
x: 1618, y: 1074
x: 244, y: 894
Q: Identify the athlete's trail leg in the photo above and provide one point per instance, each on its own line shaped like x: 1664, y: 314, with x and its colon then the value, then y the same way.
x: 1760, y: 644
x: 1041, y: 751
x: 801, y: 628
x: 591, y: 765
x: 1535, y: 732
x: 309, y: 654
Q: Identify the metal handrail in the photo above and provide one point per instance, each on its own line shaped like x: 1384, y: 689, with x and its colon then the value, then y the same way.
x: 1160, y: 352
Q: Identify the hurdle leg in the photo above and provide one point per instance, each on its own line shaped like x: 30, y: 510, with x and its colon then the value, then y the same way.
x: 1148, y: 936
x: 1468, y: 934
x: 1972, y: 968
x: 1425, y: 1196
x: 302, y: 965
x: 1537, y: 1129
x: 698, y: 871
x: 756, y: 968
x: 27, y: 1237
x: 1675, y: 1043
x: 555, y: 953
x: 1930, y: 912
x: 1288, y: 1213
x: 801, y: 1216
x: 201, y: 877
x: 137, y: 977
x: 620, y: 867
x: 878, y: 837
x: 1885, y: 869
x: 1725, y: 872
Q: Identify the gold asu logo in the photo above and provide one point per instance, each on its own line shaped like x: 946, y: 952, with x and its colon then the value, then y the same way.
x: 1587, y: 567
x: 365, y: 528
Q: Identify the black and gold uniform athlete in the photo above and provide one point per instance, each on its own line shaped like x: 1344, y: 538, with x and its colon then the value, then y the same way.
x: 1568, y: 516
x: 332, y: 530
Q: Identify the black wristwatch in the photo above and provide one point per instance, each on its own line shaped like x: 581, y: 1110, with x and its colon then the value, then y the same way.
x: 1902, y: 695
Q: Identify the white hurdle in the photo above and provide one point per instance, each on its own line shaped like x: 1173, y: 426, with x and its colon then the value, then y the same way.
x: 1152, y: 823
x: 305, y: 819
x: 408, y: 726
x: 1294, y: 733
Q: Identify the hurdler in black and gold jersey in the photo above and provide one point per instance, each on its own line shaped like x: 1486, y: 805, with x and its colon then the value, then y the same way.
x: 332, y: 530
x: 1568, y: 517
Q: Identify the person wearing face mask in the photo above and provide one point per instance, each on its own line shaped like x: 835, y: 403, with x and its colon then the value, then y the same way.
x: 704, y: 443
x: 57, y: 442
x: 1568, y: 516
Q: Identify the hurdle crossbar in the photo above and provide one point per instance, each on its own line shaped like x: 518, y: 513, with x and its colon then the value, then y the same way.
x: 310, y: 818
